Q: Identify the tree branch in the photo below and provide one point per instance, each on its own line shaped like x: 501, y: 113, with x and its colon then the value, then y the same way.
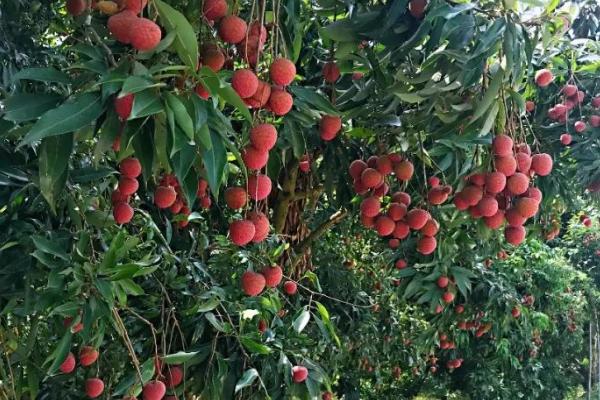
x: 285, y: 196
x: 334, y: 219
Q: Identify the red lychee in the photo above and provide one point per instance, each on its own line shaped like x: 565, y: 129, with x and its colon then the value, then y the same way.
x: 164, y: 196
x: 472, y: 194
x: 244, y: 82
x: 359, y: 187
x: 502, y: 145
x: 254, y: 159
x: 417, y: 218
x: 154, y: 390
x: 280, y: 102
x: 401, y: 230
x: 329, y: 127
x: 517, y: 184
x: 448, y: 297
x: 94, y: 387
x: 259, y: 187
x: 487, y: 206
x: 384, y: 225
x: 515, y: 312
x: 370, y: 206
x: 495, y: 182
x: 368, y: 222
x: 543, y: 77
x: 384, y: 165
x: 173, y: 376
x: 356, y: 168
x: 299, y: 374
x: 130, y: 167
x: 235, y: 197
x: 261, y: 97
x: 123, y: 106
x: 371, y: 178
x: 523, y: 162
x: 401, y: 197
x: 273, y: 275
x: 201, y: 91
x: 569, y: 90
x: 438, y: 194
x: 529, y: 106
x: 396, y: 211
x: 263, y: 137
x: 430, y: 228
x: 290, y: 288
x: 232, y: 29
x: 213, y: 58
x: 477, y: 179
x: 135, y: 6
x: 331, y: 72
x: 595, y: 121
x: 144, y: 34
x: 507, y: 165
x: 527, y: 207
x: 176, y: 206
x: 241, y: 232
x: 261, y: 225
x: 117, y: 197
x: 460, y: 203
x: 76, y: 7
x: 214, y: 9
x: 87, y: 356
x: 579, y: 126
x: 253, y: 283
x: 442, y: 281
x: 128, y: 186
x: 514, y: 218
x: 417, y: 8
x: 119, y: 25
x: 404, y: 170
x: 200, y: 191
x: 495, y: 221
x: 122, y: 213
x: 393, y: 243
x: 541, y: 164
x: 514, y: 234
x: 282, y: 72
x: 68, y: 365
x: 534, y: 193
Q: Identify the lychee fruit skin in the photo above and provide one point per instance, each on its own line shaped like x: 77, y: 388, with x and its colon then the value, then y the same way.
x: 329, y: 127
x: 331, y: 72
x: 244, y: 82
x: 282, y: 72
x: 477, y: 179
x: 404, y: 170
x: 527, y: 207
x: 299, y: 374
x: 359, y: 187
x: 273, y: 275
x: 426, y: 245
x: 371, y: 178
x: 514, y: 234
x: 128, y: 186
x: 144, y: 34
x: 261, y: 225
x: 400, y: 264
x: 543, y: 77
x: 176, y: 206
x: 214, y: 59
x: 514, y: 218
x: 201, y: 91
x: 173, y: 377
x: 241, y: 232
x: 569, y: 90
x: 502, y: 145
x: 119, y: 25
x: 370, y: 206
x: 396, y: 211
x: 280, y: 102
x: 495, y: 221
x: 431, y: 228
x: 393, y: 243
x: 437, y: 195
x: 253, y: 283
x: 259, y: 187
x: 368, y: 222
x: 495, y: 182
x: 401, y: 231
x: 117, y: 197
x: 534, y: 193
x: 254, y: 159
x: 529, y: 106
x: 154, y: 390
x: 487, y: 206
x: 356, y: 168
x: 263, y: 137
x: 442, y: 282
x: 595, y: 121
x: 460, y: 203
x: 94, y: 387
x: 261, y: 97
x: 327, y: 396
x: 76, y: 7
x: 416, y: 8
x: 417, y: 218
x: 214, y: 9
x: 523, y: 162
x: 235, y: 197
x: 290, y: 288
x: 517, y: 184
x: 541, y: 164
x: 122, y: 213
x: 579, y: 126
x: 123, y: 106
x: 448, y: 297
x: 384, y: 225
x: 507, y: 165
x: 472, y: 195
x: 130, y: 167
x: 200, y: 191
x: 384, y: 165
x: 433, y: 181
x: 68, y: 365
x: 232, y: 29
x: 87, y: 356
x: 164, y: 196
x: 402, y: 197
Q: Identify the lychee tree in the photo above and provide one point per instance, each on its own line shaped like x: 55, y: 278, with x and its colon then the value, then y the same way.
x: 285, y: 199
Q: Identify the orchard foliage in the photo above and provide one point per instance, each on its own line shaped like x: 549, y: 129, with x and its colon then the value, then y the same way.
x: 282, y: 199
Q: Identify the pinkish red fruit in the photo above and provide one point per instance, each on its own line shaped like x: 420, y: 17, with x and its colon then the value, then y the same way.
x: 329, y: 127
x: 122, y: 213
x: 280, y: 102
x: 259, y: 187
x: 253, y: 283
x: 263, y: 137
x: 290, y: 288
x: 68, y: 365
x: 299, y: 374
x: 541, y: 164
x: 164, y: 196
x: 282, y: 72
x: 244, y: 82
x: 214, y: 9
x: 241, y: 232
x: 331, y: 72
x: 144, y: 34
x: 94, y: 387
x: 261, y: 225
x: 154, y: 390
x: 273, y: 275
x: 543, y: 77
x: 232, y: 29
x: 235, y: 197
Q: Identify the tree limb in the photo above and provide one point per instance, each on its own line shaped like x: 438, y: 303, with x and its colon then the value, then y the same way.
x: 334, y: 219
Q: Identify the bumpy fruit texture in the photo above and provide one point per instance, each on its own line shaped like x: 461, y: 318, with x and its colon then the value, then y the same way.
x: 529, y: 106
x: 236, y: 197
x: 396, y: 211
x: 128, y: 186
x: 244, y: 82
x: 154, y: 390
x: 472, y: 195
x: 68, y: 365
x: 527, y: 207
x: 433, y: 181
x: 261, y: 226
x: 282, y: 72
x: 371, y: 178
x: 495, y: 221
x: 543, y: 77
x: 417, y: 218
x: 495, y: 182
x: 448, y: 297
x: 259, y: 187
x: 579, y: 126
x: 213, y: 58
x: 384, y: 225
x: 214, y: 9
x: 401, y: 231
x: 201, y: 91
x: 232, y: 29
x: 254, y: 159
x: 173, y: 376
x: 124, y: 105
x: 514, y: 218
x: 76, y: 7
x: 130, y: 167
x: 542, y: 164
x: 331, y: 72
x: 329, y: 127
x: 431, y: 228
x: 477, y: 179
x: 381, y: 190
x: 426, y: 245
x: 370, y: 206
x: 119, y: 25
x: 117, y: 197
x: 507, y: 165
x: 502, y: 145
x: 404, y: 170
x: 517, y: 184
x: 241, y: 232
x: 514, y: 234
x: 253, y: 283
x: 261, y: 97
x: 417, y: 8
x: 523, y: 162
x: 87, y: 356
x: 263, y: 137
x: 299, y: 374
x: 122, y: 213
x: 438, y: 194
x: 144, y: 34
x: 401, y: 197
x: 135, y: 6
x: 487, y: 206
x: 280, y: 102
x: 164, y: 196
x: 384, y: 165
x: 94, y: 387
x: 273, y: 275
x: 290, y: 288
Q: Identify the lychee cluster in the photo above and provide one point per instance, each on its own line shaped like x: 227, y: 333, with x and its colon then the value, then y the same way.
x: 395, y: 220
x: 253, y: 283
x: 168, y: 195
x: 128, y: 28
x: 506, y: 194
x: 130, y: 169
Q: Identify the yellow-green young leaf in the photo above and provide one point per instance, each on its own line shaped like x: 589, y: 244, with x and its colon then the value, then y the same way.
x: 53, y: 166
x: 185, y: 41
x: 70, y: 116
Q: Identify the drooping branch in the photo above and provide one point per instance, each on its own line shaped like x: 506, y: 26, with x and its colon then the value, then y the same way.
x: 333, y: 220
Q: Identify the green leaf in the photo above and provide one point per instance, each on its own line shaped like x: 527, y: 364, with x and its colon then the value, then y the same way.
x: 179, y: 357
x: 490, y: 95
x: 254, y: 347
x: 182, y: 117
x: 410, y: 97
x: 300, y: 323
x: 27, y: 106
x: 214, y: 322
x: 230, y: 96
x: 146, y: 103
x: 208, y: 305
x: 314, y: 98
x: 246, y: 380
x: 43, y: 75
x: 53, y: 164
x: 126, y: 385
x: 60, y: 352
x: 135, y: 84
x: 215, y: 159
x: 72, y: 115
x: 185, y: 42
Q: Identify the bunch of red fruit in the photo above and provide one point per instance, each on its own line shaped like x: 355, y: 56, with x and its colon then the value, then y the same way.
x: 130, y: 169
x: 168, y: 195
x: 395, y: 220
x: 505, y: 194
x: 128, y: 28
x: 253, y: 283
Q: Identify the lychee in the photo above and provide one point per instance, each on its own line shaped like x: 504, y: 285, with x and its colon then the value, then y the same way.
x: 368, y: 222
x: 514, y: 218
x: 384, y: 225
x: 488, y: 206
x: 371, y: 178
x: 304, y: 164
x: 176, y: 206
x: 356, y: 168
x: 384, y: 165
x: 201, y: 189
x: 396, y: 211
x: 502, y: 145
x: 244, y: 82
x: 495, y: 221
x: 122, y: 213
x: 232, y: 29
x: 527, y: 207
x: 241, y: 232
x: 417, y: 8
x: 87, y: 356
x: 579, y: 126
x: 541, y: 164
x: 164, y: 196
x: 135, y: 6
x: 523, y: 162
x: 331, y: 72
x: 507, y: 165
x: 253, y: 283
x: 94, y: 387
x: 76, y: 7
x: 123, y: 106
x: 514, y: 234
x: 393, y: 243
x: 68, y: 365
x: 235, y: 197
x: 400, y: 264
x: 448, y: 297
x: 543, y: 77
x: 213, y: 58
x: 569, y: 90
x: 534, y: 193
x: 515, y: 312
x: 273, y: 275
x: 529, y: 106
x: 359, y: 187
x: 495, y: 182
x: 430, y: 228
x: 201, y: 91
x: 280, y: 102
x: 117, y: 197
x: 259, y: 187
x: 290, y: 288
x: 144, y: 34
x: 370, y: 206
x: 261, y: 97
x: 130, y: 167
x: 329, y: 127
x: 299, y: 374
x: 460, y: 203
x: 595, y: 121
x: 401, y: 197
x: 263, y: 137
x: 417, y: 218
x: 154, y: 390
x: 596, y: 102
x: 381, y: 190
x: 477, y: 179
x: 442, y: 282
x: 438, y: 194
x: 282, y: 72
x: 214, y: 9
x: 517, y: 184
x: 261, y: 225
x: 128, y: 186
x: 254, y: 159
x: 472, y: 194
x: 404, y: 170
x: 173, y: 376
x: 401, y: 230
